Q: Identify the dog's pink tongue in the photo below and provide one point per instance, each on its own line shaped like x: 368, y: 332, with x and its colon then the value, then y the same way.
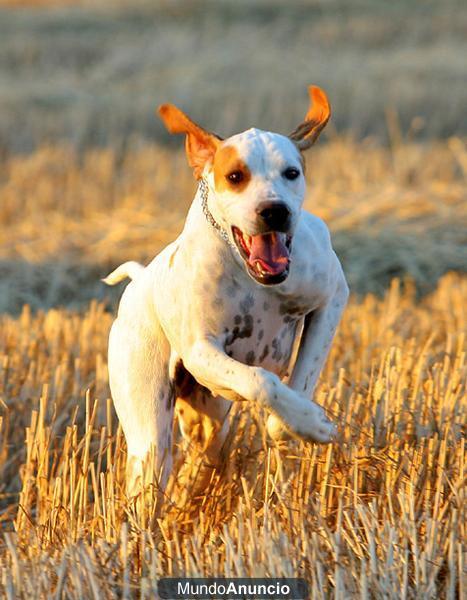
x: 270, y: 251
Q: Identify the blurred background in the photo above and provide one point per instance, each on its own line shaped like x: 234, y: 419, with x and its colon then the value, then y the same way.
x: 89, y: 177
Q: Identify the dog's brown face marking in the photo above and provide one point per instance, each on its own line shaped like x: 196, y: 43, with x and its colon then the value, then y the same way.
x: 231, y: 173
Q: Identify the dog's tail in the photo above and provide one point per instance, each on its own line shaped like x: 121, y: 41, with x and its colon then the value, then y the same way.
x: 129, y: 269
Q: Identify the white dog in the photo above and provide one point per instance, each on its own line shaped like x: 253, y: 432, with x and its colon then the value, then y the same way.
x: 243, y: 305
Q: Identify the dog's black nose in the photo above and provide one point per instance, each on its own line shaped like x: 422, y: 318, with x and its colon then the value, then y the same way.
x: 275, y: 215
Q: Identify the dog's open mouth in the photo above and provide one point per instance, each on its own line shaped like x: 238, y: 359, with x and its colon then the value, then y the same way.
x: 267, y: 255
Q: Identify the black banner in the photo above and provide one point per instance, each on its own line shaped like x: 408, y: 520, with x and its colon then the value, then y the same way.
x: 233, y: 588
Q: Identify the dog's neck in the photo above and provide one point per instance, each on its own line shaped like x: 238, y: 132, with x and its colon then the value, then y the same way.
x: 204, y: 195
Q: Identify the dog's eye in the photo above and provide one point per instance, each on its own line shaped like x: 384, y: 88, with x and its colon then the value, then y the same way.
x: 235, y: 177
x: 291, y: 173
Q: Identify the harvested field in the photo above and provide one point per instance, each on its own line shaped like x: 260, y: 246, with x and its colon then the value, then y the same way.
x: 381, y: 513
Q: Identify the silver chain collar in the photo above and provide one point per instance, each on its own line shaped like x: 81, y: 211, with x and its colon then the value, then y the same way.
x: 207, y: 213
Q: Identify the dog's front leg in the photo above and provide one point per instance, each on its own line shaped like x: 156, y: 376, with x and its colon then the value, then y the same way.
x: 210, y: 365
x: 318, y: 332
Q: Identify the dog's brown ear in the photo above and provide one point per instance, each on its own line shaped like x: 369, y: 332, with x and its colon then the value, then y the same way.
x: 306, y: 134
x: 200, y: 145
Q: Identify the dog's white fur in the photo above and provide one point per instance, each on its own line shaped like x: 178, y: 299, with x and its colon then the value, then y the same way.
x: 195, y: 325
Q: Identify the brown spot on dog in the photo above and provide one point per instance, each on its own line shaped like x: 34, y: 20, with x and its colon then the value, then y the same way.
x: 248, y: 323
x: 277, y: 353
x: 231, y: 173
x: 260, y: 335
x: 250, y: 358
x: 264, y: 354
x: 240, y: 331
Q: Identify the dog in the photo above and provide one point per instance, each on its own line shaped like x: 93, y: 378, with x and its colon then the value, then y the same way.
x: 243, y: 305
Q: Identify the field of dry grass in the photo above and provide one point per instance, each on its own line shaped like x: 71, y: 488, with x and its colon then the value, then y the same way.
x: 379, y: 514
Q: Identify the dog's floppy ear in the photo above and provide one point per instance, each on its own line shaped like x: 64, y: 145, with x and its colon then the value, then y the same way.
x: 306, y: 134
x: 200, y: 144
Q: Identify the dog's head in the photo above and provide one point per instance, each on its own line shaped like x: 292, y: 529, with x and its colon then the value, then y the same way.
x: 256, y: 181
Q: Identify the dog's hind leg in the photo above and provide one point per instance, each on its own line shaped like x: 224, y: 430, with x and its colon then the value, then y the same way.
x: 144, y: 399
x: 204, y: 424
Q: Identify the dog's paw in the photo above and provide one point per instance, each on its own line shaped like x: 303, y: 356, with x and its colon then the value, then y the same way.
x: 312, y: 425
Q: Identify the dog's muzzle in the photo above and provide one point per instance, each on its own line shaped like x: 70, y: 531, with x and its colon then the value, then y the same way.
x: 266, y: 255
x: 274, y: 216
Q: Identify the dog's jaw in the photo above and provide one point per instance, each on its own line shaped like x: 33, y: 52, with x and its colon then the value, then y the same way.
x: 266, y: 256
